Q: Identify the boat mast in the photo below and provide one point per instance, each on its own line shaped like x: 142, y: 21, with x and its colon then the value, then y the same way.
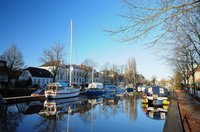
x: 93, y: 67
x: 70, y: 63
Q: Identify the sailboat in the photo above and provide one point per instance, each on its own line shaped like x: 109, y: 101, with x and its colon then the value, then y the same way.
x: 56, y: 90
x: 94, y: 88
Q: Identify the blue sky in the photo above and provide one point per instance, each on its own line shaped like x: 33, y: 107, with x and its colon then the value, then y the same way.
x: 34, y: 25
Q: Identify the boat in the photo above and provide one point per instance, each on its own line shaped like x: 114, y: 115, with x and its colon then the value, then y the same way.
x: 156, y: 95
x: 140, y: 88
x: 94, y: 89
x: 54, y: 90
x: 110, y: 88
x: 130, y: 88
x: 38, y: 92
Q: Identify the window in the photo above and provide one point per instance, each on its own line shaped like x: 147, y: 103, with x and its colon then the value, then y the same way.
x: 35, y: 81
x: 38, y: 82
x: 162, y: 90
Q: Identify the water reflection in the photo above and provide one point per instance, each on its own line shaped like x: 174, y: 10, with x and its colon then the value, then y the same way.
x: 155, y: 112
x: 109, y: 112
x: 131, y: 106
x: 56, y: 112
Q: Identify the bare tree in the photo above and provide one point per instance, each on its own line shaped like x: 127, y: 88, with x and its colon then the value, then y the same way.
x: 89, y: 65
x: 130, y: 71
x: 186, y: 49
x: 105, y: 72
x: 88, y: 62
x: 114, y: 74
x: 54, y: 58
x: 85, y: 73
x: 121, y: 73
x: 14, y: 58
x: 153, y: 81
x: 145, y: 16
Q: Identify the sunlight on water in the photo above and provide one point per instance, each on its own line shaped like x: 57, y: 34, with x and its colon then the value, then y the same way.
x: 105, y: 113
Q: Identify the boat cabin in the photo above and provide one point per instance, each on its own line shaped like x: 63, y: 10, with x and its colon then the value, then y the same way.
x: 95, y: 85
x: 156, y: 90
x: 54, y: 86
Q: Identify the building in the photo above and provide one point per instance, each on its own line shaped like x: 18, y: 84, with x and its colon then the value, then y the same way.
x: 81, y: 74
x: 110, y: 77
x: 196, y: 76
x: 37, y: 76
x: 3, y: 76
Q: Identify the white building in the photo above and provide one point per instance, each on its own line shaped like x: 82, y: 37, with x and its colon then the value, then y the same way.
x: 38, y: 76
x: 81, y: 75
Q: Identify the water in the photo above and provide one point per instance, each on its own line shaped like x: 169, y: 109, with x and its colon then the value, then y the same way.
x: 80, y: 114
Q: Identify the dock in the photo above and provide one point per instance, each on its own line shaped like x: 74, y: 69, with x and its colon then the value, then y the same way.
x: 26, y: 98
x: 23, y: 98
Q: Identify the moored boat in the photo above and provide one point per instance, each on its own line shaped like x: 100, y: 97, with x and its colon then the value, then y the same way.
x: 56, y: 90
x: 156, y: 95
x: 110, y: 88
x: 95, y: 89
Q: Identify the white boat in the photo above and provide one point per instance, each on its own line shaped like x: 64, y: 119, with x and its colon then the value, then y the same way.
x: 53, y: 90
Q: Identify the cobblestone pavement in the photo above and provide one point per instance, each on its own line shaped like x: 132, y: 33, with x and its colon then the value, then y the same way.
x: 190, y: 111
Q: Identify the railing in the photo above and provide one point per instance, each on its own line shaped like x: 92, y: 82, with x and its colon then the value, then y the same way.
x: 195, y: 93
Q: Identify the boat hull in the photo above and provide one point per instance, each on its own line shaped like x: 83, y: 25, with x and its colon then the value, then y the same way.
x: 62, y: 94
x: 94, y: 92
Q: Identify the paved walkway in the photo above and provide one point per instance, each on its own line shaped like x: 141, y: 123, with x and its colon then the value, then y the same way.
x: 173, y: 121
x: 190, y: 111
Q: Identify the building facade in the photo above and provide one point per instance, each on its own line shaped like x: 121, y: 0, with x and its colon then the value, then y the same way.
x: 81, y: 75
x: 38, y: 76
x: 196, y: 76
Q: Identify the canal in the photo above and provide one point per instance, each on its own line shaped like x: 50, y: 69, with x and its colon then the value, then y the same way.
x: 109, y: 112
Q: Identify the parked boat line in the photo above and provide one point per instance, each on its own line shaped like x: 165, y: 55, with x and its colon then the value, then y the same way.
x: 93, y: 93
